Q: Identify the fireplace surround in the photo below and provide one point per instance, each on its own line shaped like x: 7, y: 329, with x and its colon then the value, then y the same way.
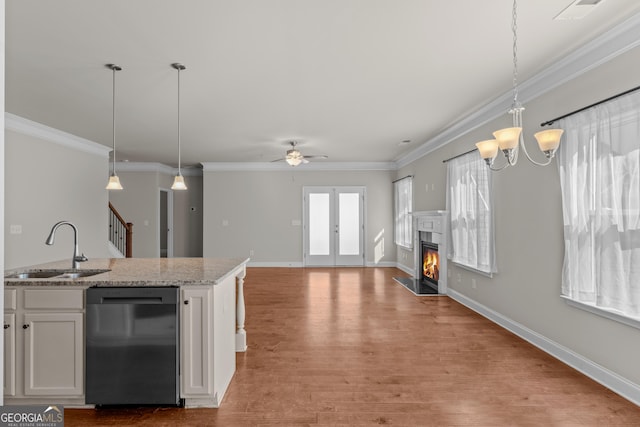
x: 430, y: 252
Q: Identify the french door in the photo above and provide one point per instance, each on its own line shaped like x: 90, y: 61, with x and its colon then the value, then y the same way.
x: 333, y: 226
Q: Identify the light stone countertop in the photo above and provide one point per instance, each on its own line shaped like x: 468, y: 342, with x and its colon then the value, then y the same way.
x: 136, y: 272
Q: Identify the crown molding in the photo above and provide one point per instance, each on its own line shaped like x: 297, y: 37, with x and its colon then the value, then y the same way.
x: 600, y: 50
x: 314, y: 166
x: 156, y: 167
x: 29, y: 127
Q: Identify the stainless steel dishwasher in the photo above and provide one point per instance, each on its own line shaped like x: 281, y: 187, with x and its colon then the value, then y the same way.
x: 132, y: 352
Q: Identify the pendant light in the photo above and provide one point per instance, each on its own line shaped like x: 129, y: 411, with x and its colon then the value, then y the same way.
x: 509, y: 140
x: 178, y: 182
x: 114, y: 181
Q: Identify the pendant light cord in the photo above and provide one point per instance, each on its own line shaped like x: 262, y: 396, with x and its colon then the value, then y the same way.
x: 113, y: 115
x: 179, y: 141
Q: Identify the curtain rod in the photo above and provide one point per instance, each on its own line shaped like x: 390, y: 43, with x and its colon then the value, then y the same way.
x: 459, y: 155
x: 400, y: 179
x: 550, y: 122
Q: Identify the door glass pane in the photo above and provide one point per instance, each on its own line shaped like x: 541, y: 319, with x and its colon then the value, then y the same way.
x: 319, y: 224
x: 349, y: 217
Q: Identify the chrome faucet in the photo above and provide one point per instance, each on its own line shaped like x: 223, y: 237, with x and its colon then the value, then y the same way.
x: 76, y: 253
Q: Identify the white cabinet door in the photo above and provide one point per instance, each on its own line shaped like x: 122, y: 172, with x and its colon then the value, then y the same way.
x: 196, y: 345
x: 9, y: 354
x: 54, y: 359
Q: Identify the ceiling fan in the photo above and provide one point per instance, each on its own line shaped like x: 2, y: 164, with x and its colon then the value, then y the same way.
x: 294, y: 157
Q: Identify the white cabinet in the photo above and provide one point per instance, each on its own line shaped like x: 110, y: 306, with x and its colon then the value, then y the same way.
x: 195, y: 335
x: 44, y: 346
x: 53, y: 354
x: 9, y: 386
x: 208, y: 346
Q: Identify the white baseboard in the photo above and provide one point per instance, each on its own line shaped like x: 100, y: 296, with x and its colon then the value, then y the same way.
x: 298, y: 264
x: 600, y: 374
x: 273, y: 264
x: 381, y: 264
x: 404, y: 268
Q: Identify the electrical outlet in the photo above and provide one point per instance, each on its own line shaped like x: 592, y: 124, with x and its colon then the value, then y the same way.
x: 251, y: 252
x: 473, y: 283
x: 225, y: 222
x: 459, y: 278
x: 15, y: 229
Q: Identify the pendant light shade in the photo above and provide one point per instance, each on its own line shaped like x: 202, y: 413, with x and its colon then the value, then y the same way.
x: 178, y: 182
x: 114, y: 181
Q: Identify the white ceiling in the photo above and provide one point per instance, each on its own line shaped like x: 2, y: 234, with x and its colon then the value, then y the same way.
x: 346, y: 78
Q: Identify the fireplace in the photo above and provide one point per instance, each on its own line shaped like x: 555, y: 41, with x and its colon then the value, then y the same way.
x: 430, y: 263
x: 430, y: 259
x: 429, y: 275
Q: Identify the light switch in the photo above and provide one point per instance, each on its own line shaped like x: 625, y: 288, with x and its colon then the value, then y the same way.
x: 15, y: 229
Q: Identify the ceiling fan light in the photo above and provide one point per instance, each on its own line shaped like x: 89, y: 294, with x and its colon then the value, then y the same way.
x: 294, y: 161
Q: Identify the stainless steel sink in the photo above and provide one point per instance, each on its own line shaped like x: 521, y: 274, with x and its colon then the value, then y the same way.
x: 35, y: 274
x: 80, y: 273
x: 54, y: 274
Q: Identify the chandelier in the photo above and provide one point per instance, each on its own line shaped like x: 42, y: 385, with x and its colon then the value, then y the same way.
x: 509, y: 140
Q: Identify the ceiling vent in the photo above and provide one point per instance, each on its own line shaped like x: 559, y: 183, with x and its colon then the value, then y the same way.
x: 578, y: 9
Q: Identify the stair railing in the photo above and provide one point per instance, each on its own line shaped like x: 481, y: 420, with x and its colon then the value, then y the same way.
x: 120, y: 232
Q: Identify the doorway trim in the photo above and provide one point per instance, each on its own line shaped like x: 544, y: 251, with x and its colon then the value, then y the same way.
x: 335, y: 191
x: 169, y: 214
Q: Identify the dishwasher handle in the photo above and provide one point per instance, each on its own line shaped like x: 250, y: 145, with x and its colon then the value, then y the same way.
x: 132, y: 300
x: 133, y: 295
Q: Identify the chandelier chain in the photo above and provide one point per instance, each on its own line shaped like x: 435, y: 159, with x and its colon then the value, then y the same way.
x: 514, y: 29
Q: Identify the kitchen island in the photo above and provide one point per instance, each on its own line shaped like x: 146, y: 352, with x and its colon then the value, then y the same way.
x: 45, y: 324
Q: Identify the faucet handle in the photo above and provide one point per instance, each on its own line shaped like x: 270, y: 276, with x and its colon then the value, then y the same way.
x: 81, y: 258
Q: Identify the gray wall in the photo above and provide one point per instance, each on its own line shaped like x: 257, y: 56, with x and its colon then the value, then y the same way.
x: 529, y: 241
x: 260, y: 207
x: 45, y: 183
x: 139, y: 203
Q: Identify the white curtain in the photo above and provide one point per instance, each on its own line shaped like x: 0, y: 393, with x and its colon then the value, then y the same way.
x: 471, y: 240
x: 599, y: 161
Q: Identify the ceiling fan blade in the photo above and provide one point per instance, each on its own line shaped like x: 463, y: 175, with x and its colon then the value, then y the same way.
x: 320, y: 156
x: 277, y: 160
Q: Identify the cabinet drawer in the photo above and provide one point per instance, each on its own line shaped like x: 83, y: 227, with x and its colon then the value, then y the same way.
x: 54, y: 298
x: 10, y: 299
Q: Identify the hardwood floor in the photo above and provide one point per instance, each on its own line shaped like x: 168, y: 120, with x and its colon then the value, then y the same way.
x: 349, y: 346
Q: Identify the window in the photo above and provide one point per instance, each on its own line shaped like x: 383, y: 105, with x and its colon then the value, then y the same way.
x: 403, y: 191
x: 599, y: 165
x: 471, y: 242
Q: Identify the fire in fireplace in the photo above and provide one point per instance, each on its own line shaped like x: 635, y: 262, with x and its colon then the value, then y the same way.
x: 430, y: 262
